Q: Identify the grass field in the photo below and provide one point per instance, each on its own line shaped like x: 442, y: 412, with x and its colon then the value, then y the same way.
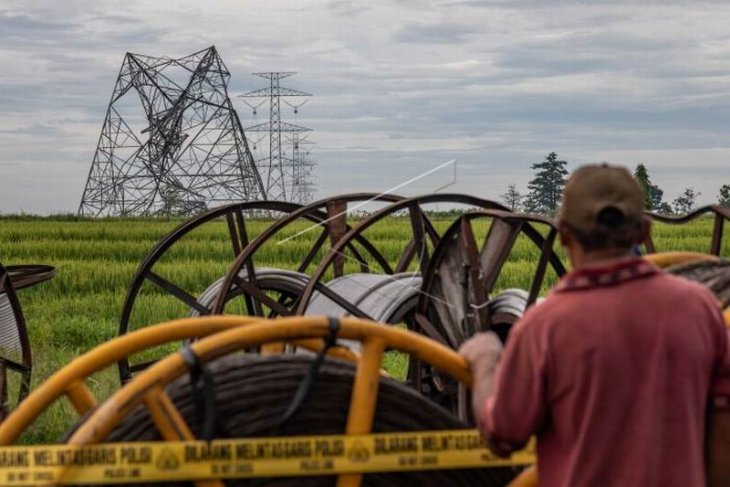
x: 96, y: 260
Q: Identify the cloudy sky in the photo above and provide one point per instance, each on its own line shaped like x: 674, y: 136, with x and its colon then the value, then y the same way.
x: 400, y: 86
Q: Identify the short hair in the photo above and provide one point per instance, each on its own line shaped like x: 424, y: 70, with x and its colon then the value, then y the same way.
x: 612, y: 230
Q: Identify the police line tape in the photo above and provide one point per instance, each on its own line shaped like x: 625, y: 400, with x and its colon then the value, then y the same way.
x: 113, y: 463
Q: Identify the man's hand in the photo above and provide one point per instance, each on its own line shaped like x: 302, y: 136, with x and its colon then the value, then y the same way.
x: 482, y: 351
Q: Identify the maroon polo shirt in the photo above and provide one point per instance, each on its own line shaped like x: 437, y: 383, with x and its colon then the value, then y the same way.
x: 612, y: 372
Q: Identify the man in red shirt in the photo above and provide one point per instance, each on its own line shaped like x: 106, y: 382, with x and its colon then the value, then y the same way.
x: 613, y: 370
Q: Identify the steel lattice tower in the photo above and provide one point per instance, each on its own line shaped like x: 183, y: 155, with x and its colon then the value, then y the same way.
x: 302, y: 188
x: 181, y: 150
x: 281, y: 170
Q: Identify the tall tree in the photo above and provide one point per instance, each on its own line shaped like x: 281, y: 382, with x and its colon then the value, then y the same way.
x: 641, y: 174
x: 653, y: 195
x: 546, y: 188
x: 724, y: 197
x: 656, y: 195
x: 512, y: 198
x: 685, y: 202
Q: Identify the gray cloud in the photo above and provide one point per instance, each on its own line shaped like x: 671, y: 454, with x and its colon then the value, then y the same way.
x: 18, y: 26
x: 435, y: 33
x: 347, y: 8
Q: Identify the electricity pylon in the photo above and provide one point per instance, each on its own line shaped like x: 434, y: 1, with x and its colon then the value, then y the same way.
x: 182, y: 147
x: 282, y: 172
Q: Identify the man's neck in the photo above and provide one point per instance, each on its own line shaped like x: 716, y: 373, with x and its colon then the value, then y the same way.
x: 601, y: 258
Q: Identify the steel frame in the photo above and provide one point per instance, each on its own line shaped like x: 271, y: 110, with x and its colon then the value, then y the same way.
x: 478, y: 268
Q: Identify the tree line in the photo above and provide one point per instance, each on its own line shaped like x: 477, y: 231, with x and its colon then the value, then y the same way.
x: 545, y: 190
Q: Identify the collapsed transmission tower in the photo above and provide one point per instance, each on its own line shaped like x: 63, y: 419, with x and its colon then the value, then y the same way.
x: 177, y: 147
x: 287, y: 178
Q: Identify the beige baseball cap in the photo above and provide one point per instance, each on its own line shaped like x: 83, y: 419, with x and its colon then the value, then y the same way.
x: 594, y: 188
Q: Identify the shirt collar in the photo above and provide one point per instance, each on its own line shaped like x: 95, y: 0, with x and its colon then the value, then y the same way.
x: 606, y: 276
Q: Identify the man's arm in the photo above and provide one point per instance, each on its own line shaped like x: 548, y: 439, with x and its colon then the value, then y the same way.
x: 482, y: 351
x: 509, y: 393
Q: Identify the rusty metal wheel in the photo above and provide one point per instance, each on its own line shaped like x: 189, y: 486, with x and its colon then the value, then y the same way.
x: 458, y: 295
x: 326, y: 218
x: 719, y: 214
x: 255, y: 289
x: 411, y: 263
x: 386, y: 298
x: 151, y: 280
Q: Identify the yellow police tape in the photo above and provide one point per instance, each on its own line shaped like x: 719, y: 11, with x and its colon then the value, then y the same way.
x: 113, y: 463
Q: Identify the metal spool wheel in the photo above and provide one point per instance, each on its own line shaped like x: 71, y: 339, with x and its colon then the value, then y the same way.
x: 70, y: 381
x: 357, y: 300
x: 330, y: 214
x: 159, y: 395
x: 234, y: 217
x: 457, y: 297
x: 719, y: 215
x: 416, y: 256
x: 260, y: 291
x: 15, y: 353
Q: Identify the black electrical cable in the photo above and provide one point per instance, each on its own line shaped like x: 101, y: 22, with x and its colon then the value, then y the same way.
x: 204, y: 398
x: 305, y: 386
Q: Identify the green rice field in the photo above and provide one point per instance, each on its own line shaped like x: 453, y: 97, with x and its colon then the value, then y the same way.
x: 96, y: 260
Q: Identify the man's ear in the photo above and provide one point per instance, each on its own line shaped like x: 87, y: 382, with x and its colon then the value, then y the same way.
x: 645, y: 230
x: 564, y: 233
